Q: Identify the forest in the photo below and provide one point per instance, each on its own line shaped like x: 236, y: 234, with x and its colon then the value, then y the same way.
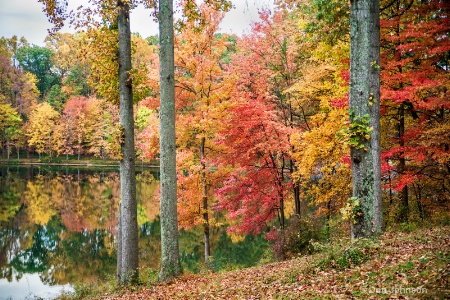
x: 263, y: 135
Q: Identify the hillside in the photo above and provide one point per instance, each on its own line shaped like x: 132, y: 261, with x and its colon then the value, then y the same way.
x: 399, y: 265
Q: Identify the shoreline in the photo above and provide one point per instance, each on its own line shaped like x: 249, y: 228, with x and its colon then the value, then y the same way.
x: 89, y: 164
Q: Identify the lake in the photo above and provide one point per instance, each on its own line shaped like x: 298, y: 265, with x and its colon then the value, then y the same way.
x: 58, y: 229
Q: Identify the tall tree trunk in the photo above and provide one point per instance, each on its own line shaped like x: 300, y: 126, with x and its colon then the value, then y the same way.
x: 205, y: 201
x: 292, y: 168
x: 170, y: 256
x: 128, y: 254
x: 401, y: 168
x: 365, y: 103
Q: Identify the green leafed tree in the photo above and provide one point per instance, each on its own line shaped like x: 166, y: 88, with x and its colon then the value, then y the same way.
x: 38, y: 61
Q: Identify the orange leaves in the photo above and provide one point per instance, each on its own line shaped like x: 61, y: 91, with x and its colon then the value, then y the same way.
x: 202, y: 91
x: 257, y: 146
x: 148, y: 136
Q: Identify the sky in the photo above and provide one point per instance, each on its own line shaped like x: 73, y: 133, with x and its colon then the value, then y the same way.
x: 25, y: 18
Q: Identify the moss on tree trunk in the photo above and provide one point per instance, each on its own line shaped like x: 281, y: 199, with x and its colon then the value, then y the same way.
x: 127, y: 259
x: 365, y: 101
x: 170, y: 257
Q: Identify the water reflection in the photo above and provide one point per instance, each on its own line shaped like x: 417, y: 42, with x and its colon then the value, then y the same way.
x: 61, y: 224
x: 58, y: 228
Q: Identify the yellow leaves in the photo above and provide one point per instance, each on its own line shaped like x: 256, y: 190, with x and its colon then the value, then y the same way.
x: 9, y: 206
x: 236, y: 238
x: 41, y: 124
x: 320, y: 76
x: 39, y: 207
x: 101, y: 48
x: 318, y: 154
x: 116, y: 141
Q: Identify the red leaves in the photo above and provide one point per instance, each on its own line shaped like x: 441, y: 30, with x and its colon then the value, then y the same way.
x: 251, y: 197
x: 340, y: 102
x: 257, y: 145
x: 403, y: 180
x: 415, y: 93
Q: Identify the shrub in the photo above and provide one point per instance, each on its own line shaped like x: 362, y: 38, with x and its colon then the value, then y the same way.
x: 295, y: 239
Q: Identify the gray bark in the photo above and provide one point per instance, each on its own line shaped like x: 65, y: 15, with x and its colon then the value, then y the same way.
x: 170, y: 256
x: 128, y: 229
x: 365, y: 100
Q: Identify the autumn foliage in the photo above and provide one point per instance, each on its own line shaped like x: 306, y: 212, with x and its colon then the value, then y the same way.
x: 262, y: 118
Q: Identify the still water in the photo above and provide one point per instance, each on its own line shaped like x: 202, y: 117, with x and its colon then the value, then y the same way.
x: 58, y: 229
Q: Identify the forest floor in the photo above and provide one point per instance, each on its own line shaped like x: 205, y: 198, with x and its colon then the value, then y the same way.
x: 397, y: 265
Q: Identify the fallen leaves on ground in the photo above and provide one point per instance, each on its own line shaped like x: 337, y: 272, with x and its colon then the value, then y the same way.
x: 398, y: 266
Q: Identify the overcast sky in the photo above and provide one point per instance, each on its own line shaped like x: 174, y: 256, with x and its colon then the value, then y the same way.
x: 25, y: 18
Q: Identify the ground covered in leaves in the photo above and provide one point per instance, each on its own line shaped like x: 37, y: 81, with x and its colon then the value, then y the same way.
x: 398, y: 265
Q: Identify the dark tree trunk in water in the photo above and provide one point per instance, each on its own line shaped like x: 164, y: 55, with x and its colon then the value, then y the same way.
x: 170, y: 256
x: 127, y: 256
x: 365, y: 106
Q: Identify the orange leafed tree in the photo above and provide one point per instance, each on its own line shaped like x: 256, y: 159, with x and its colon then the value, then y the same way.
x: 202, y: 92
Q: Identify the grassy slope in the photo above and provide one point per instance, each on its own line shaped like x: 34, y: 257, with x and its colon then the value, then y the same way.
x: 399, y: 265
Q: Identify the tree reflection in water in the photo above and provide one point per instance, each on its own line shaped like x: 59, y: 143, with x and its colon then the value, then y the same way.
x: 61, y: 224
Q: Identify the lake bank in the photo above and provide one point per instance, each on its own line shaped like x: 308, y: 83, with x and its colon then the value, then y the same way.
x: 58, y: 227
x: 88, y: 163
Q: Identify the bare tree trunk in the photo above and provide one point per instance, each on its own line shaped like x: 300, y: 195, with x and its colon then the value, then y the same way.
x: 281, y: 195
x: 205, y: 201
x: 296, y: 188
x: 365, y: 107
x: 401, y: 168
x: 170, y: 256
x: 128, y: 230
